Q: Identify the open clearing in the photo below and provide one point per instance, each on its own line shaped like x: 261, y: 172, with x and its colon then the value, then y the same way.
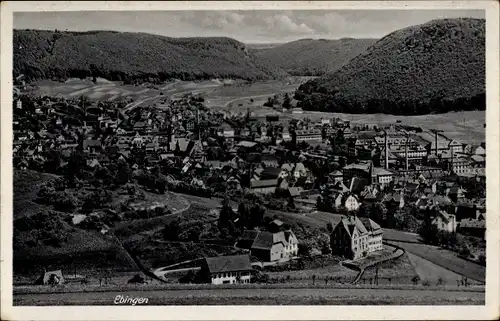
x: 263, y: 296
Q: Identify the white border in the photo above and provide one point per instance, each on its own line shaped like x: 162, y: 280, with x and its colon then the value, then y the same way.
x: 490, y: 311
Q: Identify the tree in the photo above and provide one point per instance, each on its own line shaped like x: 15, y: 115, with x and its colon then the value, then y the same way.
x: 428, y: 231
x: 287, y: 102
x: 364, y: 211
x: 244, y: 215
x: 415, y: 280
x: 171, y: 230
x: 304, y: 249
x: 161, y: 185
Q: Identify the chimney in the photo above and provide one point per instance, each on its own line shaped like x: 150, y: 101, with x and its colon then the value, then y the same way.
x: 406, y: 153
x: 436, y: 141
x: 386, y: 165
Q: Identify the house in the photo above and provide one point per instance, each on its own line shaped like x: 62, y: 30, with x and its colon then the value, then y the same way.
x: 355, y: 238
x: 226, y: 269
x: 445, y: 222
x: 351, y: 202
x: 307, y: 135
x: 393, y: 200
x: 472, y: 227
x: 296, y: 170
x: 480, y: 151
x: 50, y: 277
x: 275, y: 226
x: 292, y: 247
x: 336, y: 176
x: 269, y: 247
x: 266, y: 186
x: 92, y: 145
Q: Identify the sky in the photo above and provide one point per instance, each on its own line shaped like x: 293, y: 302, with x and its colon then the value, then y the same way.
x: 265, y: 26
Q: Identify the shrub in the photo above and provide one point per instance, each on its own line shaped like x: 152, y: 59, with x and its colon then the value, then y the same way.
x: 482, y: 259
x: 426, y: 283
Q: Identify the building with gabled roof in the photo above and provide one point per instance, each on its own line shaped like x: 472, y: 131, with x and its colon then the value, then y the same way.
x: 355, y: 238
x: 269, y: 247
x: 231, y: 269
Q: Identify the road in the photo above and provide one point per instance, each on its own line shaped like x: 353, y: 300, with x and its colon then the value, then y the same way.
x: 254, y: 296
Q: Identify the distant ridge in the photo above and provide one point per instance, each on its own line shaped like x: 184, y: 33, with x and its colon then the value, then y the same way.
x: 40, y: 54
x: 438, y: 66
x: 313, y: 57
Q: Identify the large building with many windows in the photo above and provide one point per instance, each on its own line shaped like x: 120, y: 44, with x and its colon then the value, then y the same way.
x: 355, y: 237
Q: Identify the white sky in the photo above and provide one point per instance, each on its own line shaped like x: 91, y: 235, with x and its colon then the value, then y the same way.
x: 246, y: 26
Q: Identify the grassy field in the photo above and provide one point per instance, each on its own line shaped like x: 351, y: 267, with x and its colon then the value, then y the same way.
x: 398, y: 271
x: 265, y: 296
x: 445, y: 259
x: 431, y: 272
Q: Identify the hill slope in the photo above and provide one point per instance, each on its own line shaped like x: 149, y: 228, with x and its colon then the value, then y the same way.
x: 434, y: 67
x: 309, y: 57
x: 131, y: 56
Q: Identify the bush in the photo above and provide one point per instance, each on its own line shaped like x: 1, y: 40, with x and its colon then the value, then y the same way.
x: 464, y: 251
x: 482, y: 259
x: 426, y: 283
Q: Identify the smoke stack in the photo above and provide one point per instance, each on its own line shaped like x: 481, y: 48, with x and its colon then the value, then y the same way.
x: 406, y: 154
x: 386, y: 165
x: 436, y: 141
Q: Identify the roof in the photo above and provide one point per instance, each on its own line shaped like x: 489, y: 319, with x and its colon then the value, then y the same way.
x: 91, y: 143
x: 379, y: 171
x: 290, y: 237
x: 264, y: 183
x: 245, y: 143
x: 472, y: 223
x: 396, y: 197
x: 360, y: 166
x: 336, y: 173
x: 370, y: 225
x: 231, y: 263
x: 357, y: 184
x: 270, y: 172
x: 266, y: 240
x: 44, y: 278
x: 352, y: 223
x: 277, y: 222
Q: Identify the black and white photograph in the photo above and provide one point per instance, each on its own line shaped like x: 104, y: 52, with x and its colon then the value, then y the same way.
x: 251, y: 157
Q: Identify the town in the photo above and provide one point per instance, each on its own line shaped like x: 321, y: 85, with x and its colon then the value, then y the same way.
x: 359, y: 188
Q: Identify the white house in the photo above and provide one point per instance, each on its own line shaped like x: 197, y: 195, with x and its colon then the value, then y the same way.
x: 227, y: 269
x: 351, y: 202
x: 445, y: 222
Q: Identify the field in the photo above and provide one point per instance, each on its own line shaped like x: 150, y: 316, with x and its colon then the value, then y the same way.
x: 431, y: 272
x: 445, y: 259
x: 262, y: 295
x: 25, y: 190
x: 465, y: 126
x: 435, y: 255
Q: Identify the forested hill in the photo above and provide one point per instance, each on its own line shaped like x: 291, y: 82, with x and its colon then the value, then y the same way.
x: 313, y: 57
x: 133, y: 56
x: 438, y: 66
